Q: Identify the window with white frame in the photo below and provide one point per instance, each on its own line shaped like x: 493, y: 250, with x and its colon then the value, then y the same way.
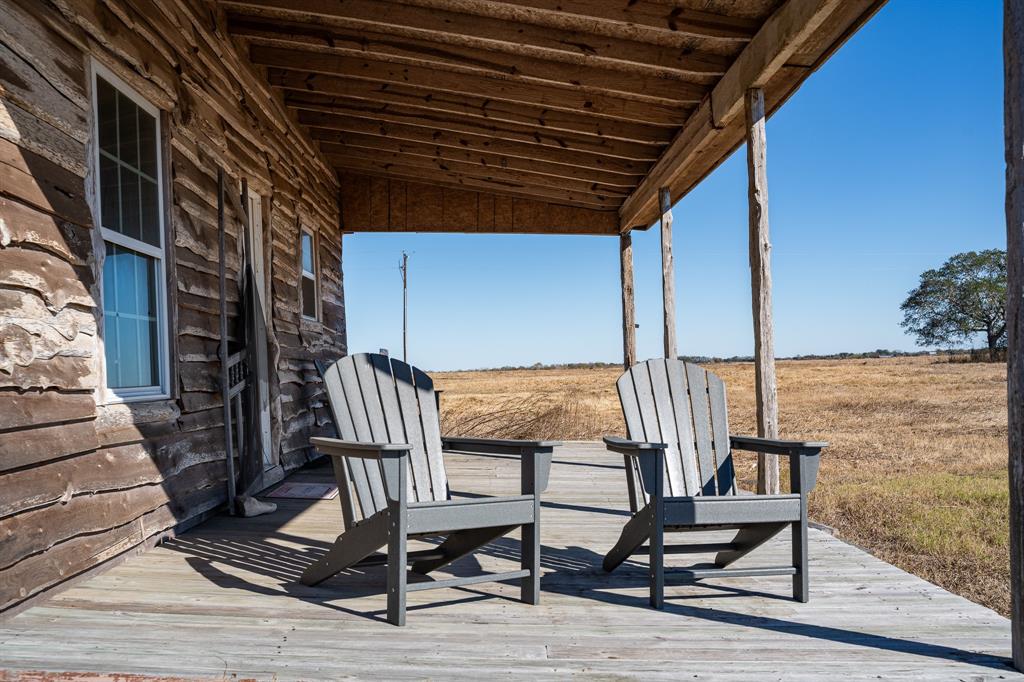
x: 130, y: 202
x: 310, y: 304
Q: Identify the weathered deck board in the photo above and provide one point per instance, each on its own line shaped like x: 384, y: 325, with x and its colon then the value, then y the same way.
x: 225, y: 599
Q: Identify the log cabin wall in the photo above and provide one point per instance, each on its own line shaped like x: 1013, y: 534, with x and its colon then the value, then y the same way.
x: 83, y: 481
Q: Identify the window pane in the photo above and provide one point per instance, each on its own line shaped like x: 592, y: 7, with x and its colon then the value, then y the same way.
x: 150, y: 213
x: 130, y: 319
x: 128, y: 335
x: 308, y: 297
x: 106, y: 116
x: 307, y: 252
x: 131, y: 211
x: 123, y: 265
x: 128, y: 130
x: 147, y: 144
x: 110, y: 194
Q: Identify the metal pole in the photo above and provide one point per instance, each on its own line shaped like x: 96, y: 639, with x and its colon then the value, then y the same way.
x: 405, y: 306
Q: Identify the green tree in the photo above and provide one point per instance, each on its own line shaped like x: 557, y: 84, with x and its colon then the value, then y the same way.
x: 960, y: 300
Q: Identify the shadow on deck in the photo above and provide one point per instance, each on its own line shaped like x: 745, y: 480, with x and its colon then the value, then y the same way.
x: 225, y: 598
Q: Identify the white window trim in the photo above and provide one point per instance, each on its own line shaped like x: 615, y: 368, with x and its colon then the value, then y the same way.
x: 303, y: 273
x: 162, y: 390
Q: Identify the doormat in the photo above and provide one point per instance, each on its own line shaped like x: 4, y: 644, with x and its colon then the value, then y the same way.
x: 306, y: 491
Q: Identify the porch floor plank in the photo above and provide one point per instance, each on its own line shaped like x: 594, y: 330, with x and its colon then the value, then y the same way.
x: 224, y: 600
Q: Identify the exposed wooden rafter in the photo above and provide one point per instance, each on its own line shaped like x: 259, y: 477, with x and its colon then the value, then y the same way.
x: 716, y: 128
x: 580, y: 103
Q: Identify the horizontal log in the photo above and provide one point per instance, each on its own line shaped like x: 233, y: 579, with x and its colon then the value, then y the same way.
x: 608, y: 44
x: 29, y: 447
x: 650, y: 13
x: 431, y: 54
x: 105, y: 470
x: 68, y: 372
x: 36, y: 408
x: 38, y: 530
x: 476, y: 143
x: 22, y: 225
x: 321, y: 116
x: 328, y: 90
x: 70, y: 558
x: 490, y: 184
x: 377, y: 204
x: 479, y: 170
x: 43, y: 184
x: 510, y: 88
x: 346, y: 142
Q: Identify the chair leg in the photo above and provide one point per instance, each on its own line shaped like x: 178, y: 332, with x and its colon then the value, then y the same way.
x: 634, y: 534
x: 397, y: 568
x: 530, y: 561
x: 801, y: 585
x: 657, y: 556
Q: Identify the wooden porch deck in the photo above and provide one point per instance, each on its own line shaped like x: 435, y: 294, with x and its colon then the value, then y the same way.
x: 223, y: 601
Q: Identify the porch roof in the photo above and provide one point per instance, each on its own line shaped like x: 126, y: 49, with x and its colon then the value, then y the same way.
x: 535, y: 115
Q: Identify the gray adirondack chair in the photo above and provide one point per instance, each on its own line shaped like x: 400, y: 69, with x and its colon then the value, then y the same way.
x: 679, y: 470
x: 391, y: 476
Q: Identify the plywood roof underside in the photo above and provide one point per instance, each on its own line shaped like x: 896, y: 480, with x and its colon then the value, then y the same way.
x: 553, y: 115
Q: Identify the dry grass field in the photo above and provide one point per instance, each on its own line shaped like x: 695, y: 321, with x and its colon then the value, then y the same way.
x: 916, y: 471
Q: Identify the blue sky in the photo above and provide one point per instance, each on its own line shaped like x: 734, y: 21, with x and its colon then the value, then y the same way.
x: 886, y: 162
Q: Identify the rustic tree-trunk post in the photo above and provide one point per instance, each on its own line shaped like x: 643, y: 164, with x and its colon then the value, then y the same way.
x: 761, y: 291
x: 1013, y: 55
x: 668, y: 274
x: 628, y: 304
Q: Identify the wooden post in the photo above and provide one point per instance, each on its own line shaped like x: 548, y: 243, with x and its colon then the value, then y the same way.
x: 1013, y: 56
x: 668, y: 274
x: 761, y: 291
x: 628, y: 304
x: 224, y: 380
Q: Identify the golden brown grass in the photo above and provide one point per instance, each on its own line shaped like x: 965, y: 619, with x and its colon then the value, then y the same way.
x: 916, y: 470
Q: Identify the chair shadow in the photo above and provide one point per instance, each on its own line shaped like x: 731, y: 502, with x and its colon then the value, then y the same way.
x: 571, y: 571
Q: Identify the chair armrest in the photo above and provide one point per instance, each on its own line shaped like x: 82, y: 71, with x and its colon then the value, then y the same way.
x: 361, y: 449
x: 631, y: 447
x: 774, y: 446
x: 536, y: 457
x: 804, y: 458
x: 494, y: 446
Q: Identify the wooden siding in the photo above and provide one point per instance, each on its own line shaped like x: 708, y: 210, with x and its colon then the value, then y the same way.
x: 82, y: 482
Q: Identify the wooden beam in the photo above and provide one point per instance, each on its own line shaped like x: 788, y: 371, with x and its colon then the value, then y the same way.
x: 502, y: 58
x: 474, y: 82
x: 668, y: 275
x: 780, y: 36
x: 761, y: 291
x: 650, y: 13
x: 502, y: 131
x: 475, y: 169
x: 474, y: 143
x: 345, y: 142
x: 1013, y: 56
x: 376, y: 204
x: 326, y: 91
x: 460, y: 180
x: 628, y: 300
x: 581, y: 37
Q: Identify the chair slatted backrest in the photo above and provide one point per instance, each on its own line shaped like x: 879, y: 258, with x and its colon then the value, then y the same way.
x: 682, y: 405
x: 376, y: 399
